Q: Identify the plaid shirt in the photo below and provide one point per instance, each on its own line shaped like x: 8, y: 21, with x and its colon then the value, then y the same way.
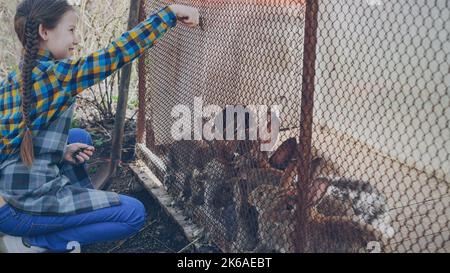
x: 51, y: 186
x: 48, y: 187
x: 55, y: 82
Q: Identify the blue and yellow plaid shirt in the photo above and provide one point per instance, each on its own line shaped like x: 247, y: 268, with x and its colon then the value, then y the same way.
x: 57, y: 82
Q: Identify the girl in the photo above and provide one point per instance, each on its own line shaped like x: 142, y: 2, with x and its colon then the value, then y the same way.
x: 47, y: 202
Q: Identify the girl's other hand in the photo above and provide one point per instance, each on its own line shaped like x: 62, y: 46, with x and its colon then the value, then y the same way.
x: 189, y: 16
x: 78, y: 153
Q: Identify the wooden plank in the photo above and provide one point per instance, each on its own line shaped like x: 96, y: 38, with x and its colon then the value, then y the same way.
x: 155, y: 187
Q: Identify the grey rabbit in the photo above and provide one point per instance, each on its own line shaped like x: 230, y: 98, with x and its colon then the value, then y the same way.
x: 359, y: 198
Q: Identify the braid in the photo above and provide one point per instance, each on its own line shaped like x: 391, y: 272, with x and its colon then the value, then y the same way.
x: 30, y: 14
x: 31, y: 49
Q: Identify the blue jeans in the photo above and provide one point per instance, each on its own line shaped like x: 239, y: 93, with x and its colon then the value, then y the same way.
x: 77, y: 135
x: 58, y: 233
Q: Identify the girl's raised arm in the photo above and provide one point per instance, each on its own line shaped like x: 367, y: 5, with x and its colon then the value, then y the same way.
x: 75, y: 75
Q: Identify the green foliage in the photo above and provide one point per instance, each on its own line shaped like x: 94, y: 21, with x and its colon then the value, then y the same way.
x: 75, y: 123
x: 133, y: 103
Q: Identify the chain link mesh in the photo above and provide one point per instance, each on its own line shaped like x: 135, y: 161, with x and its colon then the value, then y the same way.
x: 374, y: 76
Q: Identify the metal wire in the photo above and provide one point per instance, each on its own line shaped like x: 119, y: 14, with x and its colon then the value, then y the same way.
x: 361, y: 163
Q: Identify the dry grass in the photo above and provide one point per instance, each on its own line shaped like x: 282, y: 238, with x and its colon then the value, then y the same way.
x: 10, y: 45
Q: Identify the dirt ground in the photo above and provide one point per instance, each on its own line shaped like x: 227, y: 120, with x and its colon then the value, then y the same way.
x: 159, y: 234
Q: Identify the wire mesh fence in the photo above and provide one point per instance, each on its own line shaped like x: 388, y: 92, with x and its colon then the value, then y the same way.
x: 338, y: 113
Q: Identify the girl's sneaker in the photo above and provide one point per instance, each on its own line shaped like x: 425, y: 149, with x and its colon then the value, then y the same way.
x: 11, y: 244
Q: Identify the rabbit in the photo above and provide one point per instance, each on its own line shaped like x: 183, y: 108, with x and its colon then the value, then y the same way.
x: 212, y: 194
x: 276, y: 208
x: 198, y: 181
x: 249, y: 172
x: 247, y: 217
x: 178, y: 186
x: 277, y: 218
x: 217, y: 189
x: 338, y: 235
x: 249, y: 175
x: 227, y: 218
x: 183, y: 157
x: 225, y: 149
x: 218, y: 192
x: 251, y: 148
x: 208, y: 194
x: 276, y: 214
x: 347, y: 197
x: 354, y: 197
x: 257, y: 165
x: 284, y: 160
x: 249, y: 179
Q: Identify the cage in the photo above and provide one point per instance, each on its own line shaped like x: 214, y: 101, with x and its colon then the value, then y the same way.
x: 338, y: 113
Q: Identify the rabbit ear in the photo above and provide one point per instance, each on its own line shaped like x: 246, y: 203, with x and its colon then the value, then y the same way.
x: 284, y: 154
x: 318, y: 190
x: 316, y: 164
x: 288, y: 179
x: 272, y: 117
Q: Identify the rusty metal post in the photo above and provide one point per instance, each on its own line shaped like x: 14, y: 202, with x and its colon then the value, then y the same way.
x: 144, y: 124
x: 306, y: 122
x: 101, y: 178
x: 141, y: 87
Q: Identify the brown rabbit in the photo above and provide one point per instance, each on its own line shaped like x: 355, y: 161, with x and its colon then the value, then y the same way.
x: 276, y: 209
x: 250, y: 174
x: 251, y: 170
x: 290, y: 175
x: 250, y: 148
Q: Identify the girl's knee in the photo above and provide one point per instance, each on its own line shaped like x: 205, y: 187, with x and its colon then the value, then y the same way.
x: 77, y: 135
x: 136, y: 210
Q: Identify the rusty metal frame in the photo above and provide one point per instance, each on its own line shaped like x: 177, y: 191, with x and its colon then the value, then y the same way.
x: 306, y: 122
x: 306, y: 119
